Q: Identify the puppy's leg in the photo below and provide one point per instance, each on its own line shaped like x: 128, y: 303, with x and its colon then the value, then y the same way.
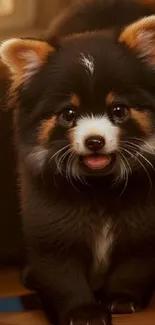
x: 64, y: 287
x: 129, y: 287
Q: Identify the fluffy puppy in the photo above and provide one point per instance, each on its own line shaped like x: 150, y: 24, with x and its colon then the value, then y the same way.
x: 85, y: 133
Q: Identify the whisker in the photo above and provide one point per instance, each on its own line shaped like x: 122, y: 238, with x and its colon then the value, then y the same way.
x: 133, y: 147
x: 60, y: 161
x: 136, y: 146
x: 147, y: 173
x: 125, y: 174
x: 55, y: 156
x: 143, y: 157
x: 150, y: 150
x: 130, y: 170
x: 68, y: 170
x: 78, y: 176
x: 58, y: 152
x: 143, y: 142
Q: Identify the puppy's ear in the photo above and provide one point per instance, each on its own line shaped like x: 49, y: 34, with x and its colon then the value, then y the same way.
x: 140, y: 37
x: 24, y: 57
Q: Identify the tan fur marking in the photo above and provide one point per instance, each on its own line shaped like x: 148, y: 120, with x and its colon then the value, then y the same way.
x: 21, y: 57
x: 143, y: 119
x: 75, y: 100
x: 16, y: 49
x: 131, y: 33
x: 46, y: 127
x: 110, y: 99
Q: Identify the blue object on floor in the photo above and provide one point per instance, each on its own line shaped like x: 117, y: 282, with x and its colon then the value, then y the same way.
x: 11, y: 305
x: 19, y: 304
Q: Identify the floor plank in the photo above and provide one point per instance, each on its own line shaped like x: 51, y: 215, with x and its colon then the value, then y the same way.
x: 10, y: 286
x: 25, y: 318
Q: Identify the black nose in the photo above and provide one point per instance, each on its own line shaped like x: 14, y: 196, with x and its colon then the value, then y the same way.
x: 95, y: 143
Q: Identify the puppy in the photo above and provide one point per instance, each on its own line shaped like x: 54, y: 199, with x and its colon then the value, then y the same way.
x: 85, y: 134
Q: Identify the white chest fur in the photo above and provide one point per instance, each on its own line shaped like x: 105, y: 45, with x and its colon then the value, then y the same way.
x: 104, y: 243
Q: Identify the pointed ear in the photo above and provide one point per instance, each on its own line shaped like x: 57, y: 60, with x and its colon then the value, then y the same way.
x: 140, y: 37
x: 24, y: 57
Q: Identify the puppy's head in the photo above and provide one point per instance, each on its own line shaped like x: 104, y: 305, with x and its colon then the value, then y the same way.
x: 86, y: 107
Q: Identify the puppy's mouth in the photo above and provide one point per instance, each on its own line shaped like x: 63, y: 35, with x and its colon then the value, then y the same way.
x: 97, y: 161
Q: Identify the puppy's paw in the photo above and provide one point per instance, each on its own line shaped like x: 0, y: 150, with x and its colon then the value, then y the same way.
x: 121, y: 306
x: 89, y: 315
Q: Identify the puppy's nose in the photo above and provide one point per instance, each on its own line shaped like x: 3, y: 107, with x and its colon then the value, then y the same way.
x: 95, y: 143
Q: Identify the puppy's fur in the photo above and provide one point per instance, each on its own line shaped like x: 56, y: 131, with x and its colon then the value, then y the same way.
x: 85, y: 131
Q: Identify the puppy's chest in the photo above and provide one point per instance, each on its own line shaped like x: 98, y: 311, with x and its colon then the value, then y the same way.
x: 103, y: 245
x: 121, y: 231
x: 98, y: 232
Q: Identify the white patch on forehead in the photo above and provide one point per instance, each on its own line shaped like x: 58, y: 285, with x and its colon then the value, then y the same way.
x: 88, y: 62
x: 104, y: 244
x: 95, y: 125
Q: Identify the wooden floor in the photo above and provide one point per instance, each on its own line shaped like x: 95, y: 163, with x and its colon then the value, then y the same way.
x: 10, y: 286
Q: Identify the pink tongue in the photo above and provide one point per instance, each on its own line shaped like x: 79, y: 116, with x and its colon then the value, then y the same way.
x: 97, y: 162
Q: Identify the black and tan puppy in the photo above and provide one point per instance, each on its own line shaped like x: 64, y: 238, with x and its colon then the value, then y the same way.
x: 85, y: 131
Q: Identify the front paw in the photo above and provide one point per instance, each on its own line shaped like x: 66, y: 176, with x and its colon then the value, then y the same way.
x: 122, y: 306
x: 88, y: 315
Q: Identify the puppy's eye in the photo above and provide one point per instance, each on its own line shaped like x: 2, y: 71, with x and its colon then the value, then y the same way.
x: 67, y: 117
x: 119, y: 113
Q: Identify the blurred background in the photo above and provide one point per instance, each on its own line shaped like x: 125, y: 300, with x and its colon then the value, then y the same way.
x: 28, y: 17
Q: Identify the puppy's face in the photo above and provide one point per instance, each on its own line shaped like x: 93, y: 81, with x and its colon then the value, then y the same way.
x: 88, y: 107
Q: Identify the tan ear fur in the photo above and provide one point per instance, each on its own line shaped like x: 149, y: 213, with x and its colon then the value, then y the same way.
x: 140, y: 36
x: 24, y: 57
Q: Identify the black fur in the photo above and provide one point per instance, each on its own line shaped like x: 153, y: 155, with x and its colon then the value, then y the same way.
x: 61, y: 223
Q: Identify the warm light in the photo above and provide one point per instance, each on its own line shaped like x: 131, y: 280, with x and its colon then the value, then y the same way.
x: 6, y: 7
